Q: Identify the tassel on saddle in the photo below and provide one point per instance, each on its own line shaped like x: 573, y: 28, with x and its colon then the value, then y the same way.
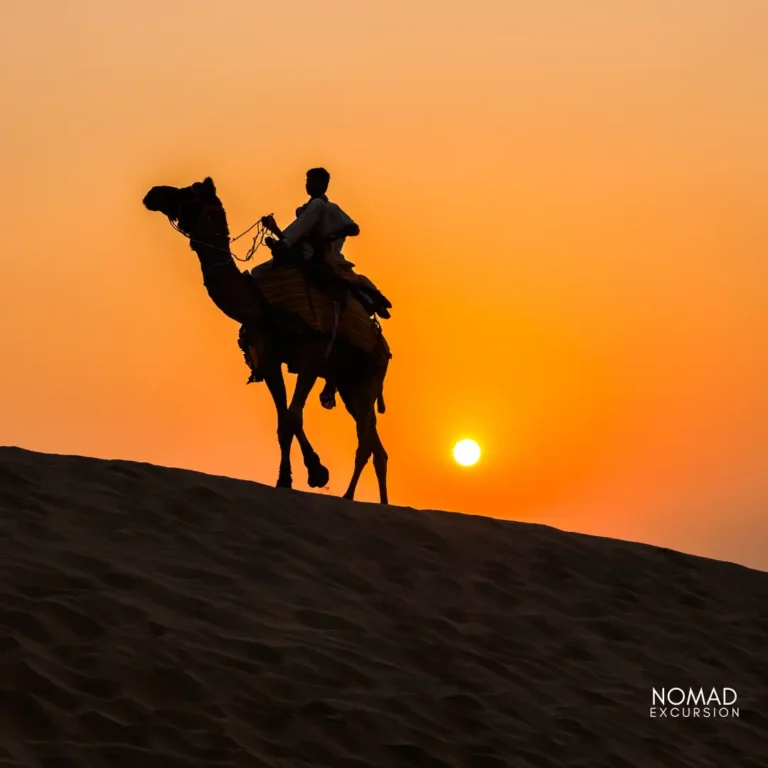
x: 374, y: 302
x: 344, y: 280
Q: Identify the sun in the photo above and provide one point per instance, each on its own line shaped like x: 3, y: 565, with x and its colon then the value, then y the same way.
x: 466, y: 452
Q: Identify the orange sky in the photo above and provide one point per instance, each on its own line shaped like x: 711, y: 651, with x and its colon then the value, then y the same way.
x: 564, y: 201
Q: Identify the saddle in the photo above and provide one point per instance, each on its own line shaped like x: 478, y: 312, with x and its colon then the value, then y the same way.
x: 334, y: 279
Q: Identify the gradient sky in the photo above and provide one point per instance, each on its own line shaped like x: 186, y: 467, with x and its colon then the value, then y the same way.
x: 564, y: 201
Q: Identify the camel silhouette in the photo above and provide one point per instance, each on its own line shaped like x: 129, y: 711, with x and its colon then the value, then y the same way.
x: 273, y: 337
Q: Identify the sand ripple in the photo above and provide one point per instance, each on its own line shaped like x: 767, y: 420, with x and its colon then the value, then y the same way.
x: 156, y: 617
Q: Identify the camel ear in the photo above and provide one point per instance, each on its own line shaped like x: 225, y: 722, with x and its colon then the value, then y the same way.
x: 208, y: 185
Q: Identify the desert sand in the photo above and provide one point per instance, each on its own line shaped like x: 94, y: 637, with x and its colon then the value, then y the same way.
x: 157, y: 617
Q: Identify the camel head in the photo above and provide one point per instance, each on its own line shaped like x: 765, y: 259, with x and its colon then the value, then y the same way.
x: 193, y: 208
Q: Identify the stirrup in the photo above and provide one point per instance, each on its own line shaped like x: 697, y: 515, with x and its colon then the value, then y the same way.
x: 328, y: 400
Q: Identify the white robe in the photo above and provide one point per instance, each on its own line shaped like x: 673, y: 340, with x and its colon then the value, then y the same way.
x: 329, y: 217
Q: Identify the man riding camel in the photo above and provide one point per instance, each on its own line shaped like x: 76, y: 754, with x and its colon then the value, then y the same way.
x: 319, y: 233
x: 320, y: 224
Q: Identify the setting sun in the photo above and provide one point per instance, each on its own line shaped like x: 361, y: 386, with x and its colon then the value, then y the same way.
x: 466, y: 452
x: 571, y: 265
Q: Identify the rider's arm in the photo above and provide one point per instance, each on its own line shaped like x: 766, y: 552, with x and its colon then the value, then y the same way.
x: 345, y: 227
x: 304, y: 222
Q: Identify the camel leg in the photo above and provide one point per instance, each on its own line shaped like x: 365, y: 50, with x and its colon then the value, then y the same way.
x: 369, y: 442
x: 290, y: 423
x: 380, y: 459
x: 317, y: 474
x: 362, y: 406
x: 364, y: 415
x: 362, y: 454
x: 275, y: 382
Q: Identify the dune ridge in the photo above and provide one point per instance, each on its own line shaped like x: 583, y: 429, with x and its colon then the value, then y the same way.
x: 159, y: 617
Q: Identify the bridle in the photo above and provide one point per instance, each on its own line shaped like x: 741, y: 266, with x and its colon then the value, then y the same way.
x: 205, y: 216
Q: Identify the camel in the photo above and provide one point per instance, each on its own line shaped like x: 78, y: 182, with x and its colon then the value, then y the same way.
x: 273, y: 340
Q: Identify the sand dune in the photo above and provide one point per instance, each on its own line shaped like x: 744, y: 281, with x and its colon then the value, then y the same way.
x: 156, y: 617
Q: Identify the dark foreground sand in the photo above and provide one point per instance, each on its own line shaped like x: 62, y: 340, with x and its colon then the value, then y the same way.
x: 154, y: 617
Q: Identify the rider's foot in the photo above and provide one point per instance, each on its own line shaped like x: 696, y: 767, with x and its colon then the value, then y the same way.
x: 328, y: 399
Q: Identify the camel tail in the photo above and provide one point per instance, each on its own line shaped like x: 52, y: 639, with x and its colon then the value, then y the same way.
x: 380, y: 405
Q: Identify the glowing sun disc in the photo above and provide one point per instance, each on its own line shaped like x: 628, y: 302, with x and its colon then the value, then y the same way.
x: 466, y: 452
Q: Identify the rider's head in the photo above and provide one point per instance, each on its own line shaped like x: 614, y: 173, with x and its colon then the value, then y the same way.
x: 317, y: 181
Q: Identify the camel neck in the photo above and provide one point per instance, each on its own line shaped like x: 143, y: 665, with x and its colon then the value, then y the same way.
x: 231, y: 290
x: 212, y: 251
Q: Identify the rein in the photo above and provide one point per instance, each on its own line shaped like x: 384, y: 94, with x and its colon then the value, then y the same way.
x: 258, y: 239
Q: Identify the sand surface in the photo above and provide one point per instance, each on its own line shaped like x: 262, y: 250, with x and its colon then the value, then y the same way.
x: 156, y: 618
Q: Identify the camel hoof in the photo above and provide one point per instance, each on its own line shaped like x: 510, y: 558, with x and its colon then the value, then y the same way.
x: 318, y: 476
x: 284, y: 482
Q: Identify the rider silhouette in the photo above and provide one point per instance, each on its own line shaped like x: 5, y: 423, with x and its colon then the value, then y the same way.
x: 319, y: 230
